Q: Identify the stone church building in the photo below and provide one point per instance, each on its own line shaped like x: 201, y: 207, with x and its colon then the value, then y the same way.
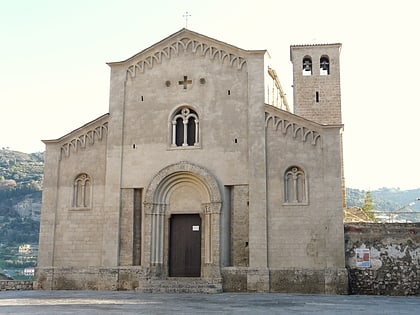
x: 200, y: 178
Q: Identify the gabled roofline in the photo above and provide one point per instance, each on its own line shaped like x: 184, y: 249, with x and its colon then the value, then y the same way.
x: 76, y: 131
x: 185, y: 31
x: 302, y: 119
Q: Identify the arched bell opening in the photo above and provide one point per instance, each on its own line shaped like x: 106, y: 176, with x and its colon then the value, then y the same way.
x: 307, y: 66
x: 324, y: 65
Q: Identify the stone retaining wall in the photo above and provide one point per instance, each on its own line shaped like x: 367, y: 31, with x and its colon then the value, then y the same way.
x: 6, y: 285
x: 383, y: 259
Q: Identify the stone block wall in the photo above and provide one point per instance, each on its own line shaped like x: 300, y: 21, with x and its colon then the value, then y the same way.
x: 240, y: 226
x: 92, y: 278
x: 303, y: 281
x: 383, y: 259
x: 126, y: 227
x: 6, y: 285
x: 234, y: 279
x: 309, y: 281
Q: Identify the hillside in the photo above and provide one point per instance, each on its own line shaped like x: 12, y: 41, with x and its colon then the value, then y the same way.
x: 385, y: 199
x: 20, y: 196
x: 403, y: 204
x: 20, y: 207
x: 25, y: 169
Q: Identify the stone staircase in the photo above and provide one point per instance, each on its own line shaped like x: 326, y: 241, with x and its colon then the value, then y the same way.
x: 180, y: 285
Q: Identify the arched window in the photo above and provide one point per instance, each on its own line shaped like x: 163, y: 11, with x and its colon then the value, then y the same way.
x: 307, y: 66
x: 82, y: 188
x: 324, y: 65
x: 295, y: 189
x: 185, y: 128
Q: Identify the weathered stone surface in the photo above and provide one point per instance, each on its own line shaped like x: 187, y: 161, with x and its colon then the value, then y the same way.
x: 394, y: 258
x: 180, y: 285
x: 234, y: 279
x: 6, y: 285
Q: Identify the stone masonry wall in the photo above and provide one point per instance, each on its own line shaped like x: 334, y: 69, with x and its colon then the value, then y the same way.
x: 383, y: 259
x: 126, y: 227
x: 239, y: 228
x: 6, y: 285
x: 91, y: 278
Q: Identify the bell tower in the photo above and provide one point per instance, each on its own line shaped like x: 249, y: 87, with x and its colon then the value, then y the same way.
x: 316, y: 82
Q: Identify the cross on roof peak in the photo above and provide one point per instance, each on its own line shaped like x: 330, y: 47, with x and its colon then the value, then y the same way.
x: 186, y: 15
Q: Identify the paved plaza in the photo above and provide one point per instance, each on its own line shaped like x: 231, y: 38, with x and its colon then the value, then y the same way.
x: 129, y: 302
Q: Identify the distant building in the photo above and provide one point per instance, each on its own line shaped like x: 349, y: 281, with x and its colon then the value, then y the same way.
x: 7, y: 184
x: 29, y: 207
x: 29, y: 271
x: 201, y: 176
x: 25, y: 248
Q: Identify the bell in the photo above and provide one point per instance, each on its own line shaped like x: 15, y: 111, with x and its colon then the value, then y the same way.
x: 324, y: 64
x: 307, y: 65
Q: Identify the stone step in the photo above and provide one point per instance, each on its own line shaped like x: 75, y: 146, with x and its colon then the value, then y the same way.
x: 180, y: 285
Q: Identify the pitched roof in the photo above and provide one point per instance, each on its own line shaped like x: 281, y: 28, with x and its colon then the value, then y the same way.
x: 183, y: 34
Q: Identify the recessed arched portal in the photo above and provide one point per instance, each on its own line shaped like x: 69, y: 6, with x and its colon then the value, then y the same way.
x: 183, y: 198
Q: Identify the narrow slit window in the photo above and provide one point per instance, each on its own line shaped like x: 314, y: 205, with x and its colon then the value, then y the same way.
x: 317, y: 96
x: 179, y: 132
x: 191, y: 131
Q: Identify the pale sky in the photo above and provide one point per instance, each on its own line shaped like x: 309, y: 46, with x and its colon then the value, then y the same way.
x: 54, y: 77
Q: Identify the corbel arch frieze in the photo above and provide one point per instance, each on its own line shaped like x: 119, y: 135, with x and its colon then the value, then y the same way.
x: 183, y: 45
x: 89, y: 137
x: 297, y: 131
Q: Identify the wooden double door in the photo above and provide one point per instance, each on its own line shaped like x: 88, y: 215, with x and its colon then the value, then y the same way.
x: 185, y: 245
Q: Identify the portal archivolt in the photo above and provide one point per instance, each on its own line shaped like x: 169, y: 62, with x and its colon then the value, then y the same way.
x: 182, y: 188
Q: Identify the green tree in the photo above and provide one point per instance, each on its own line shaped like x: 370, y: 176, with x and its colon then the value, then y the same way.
x: 368, y: 206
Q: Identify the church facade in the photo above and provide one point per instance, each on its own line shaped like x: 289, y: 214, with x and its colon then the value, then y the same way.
x: 200, y: 178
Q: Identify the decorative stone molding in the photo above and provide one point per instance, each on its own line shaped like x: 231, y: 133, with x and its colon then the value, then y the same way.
x: 287, y: 127
x: 156, y: 206
x: 98, y: 133
x: 182, y: 45
x: 183, y: 167
x: 82, y: 192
